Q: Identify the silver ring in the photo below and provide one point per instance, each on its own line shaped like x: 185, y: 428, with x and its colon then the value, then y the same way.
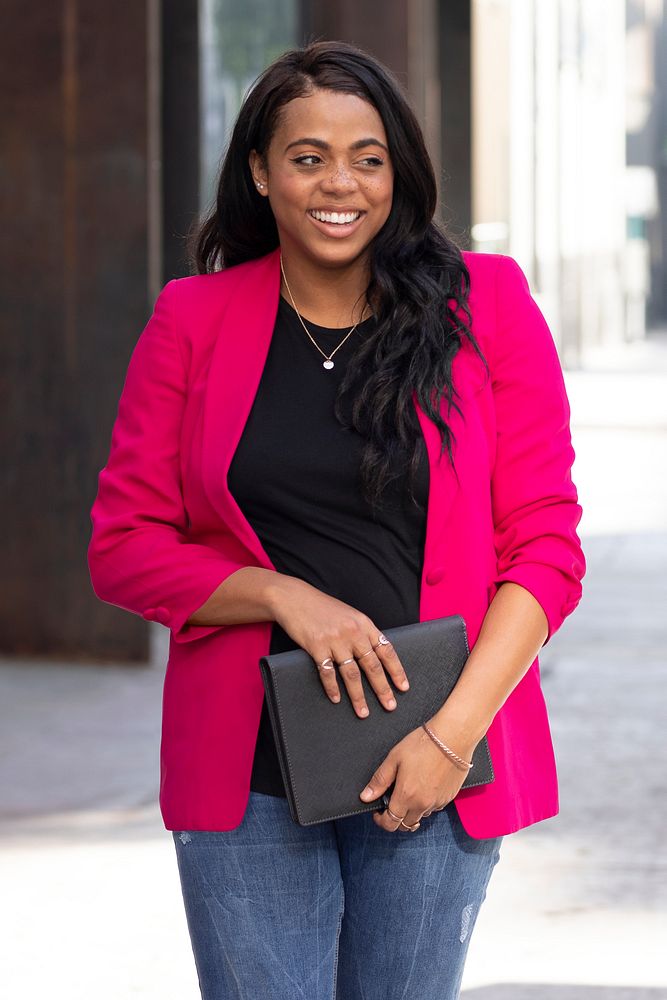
x: 327, y: 664
x: 343, y: 662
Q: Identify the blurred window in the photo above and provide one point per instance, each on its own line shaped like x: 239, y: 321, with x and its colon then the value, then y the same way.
x: 239, y: 38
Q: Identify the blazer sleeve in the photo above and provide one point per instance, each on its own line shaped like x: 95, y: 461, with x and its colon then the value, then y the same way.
x: 139, y: 556
x: 535, y: 502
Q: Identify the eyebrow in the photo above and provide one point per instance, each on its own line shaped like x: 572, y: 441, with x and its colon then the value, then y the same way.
x: 321, y: 144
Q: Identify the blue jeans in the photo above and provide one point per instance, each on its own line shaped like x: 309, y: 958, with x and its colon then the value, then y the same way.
x: 342, y: 910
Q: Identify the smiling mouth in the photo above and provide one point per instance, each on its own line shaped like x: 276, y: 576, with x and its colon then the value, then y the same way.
x: 337, y: 218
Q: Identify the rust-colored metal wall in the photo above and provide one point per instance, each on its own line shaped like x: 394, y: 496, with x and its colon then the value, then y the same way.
x: 380, y: 28
x: 73, y: 283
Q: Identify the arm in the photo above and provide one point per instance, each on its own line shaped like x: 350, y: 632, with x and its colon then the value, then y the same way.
x: 540, y: 562
x: 139, y: 556
x: 512, y: 633
x: 248, y: 595
x: 535, y: 513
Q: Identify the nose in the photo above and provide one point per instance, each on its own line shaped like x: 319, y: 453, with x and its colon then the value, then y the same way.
x: 340, y: 178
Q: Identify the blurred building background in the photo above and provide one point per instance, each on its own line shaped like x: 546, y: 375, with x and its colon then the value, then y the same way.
x: 547, y: 122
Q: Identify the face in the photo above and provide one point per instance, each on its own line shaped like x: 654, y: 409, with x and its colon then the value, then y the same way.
x: 328, y: 177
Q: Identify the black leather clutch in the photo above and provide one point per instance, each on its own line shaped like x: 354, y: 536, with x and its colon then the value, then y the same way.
x: 327, y: 753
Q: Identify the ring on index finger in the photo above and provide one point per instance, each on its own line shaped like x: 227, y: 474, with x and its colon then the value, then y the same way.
x: 327, y: 664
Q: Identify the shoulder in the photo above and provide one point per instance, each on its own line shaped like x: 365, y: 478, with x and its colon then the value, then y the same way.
x: 487, y: 270
x: 198, y: 303
x: 498, y: 288
x: 201, y: 291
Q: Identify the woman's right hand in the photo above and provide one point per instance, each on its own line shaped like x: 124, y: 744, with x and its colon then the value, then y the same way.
x: 333, y: 631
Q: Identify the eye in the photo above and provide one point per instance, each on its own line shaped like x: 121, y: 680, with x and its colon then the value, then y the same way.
x: 307, y: 159
x: 372, y: 161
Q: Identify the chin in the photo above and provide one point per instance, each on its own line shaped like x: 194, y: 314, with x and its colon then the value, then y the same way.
x: 337, y: 256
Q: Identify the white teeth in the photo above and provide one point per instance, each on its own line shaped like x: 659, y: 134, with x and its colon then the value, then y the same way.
x: 338, y: 218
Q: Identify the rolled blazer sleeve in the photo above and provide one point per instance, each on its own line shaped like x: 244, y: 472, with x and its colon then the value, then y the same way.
x: 139, y: 556
x: 535, y: 508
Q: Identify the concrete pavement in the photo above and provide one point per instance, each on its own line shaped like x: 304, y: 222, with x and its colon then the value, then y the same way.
x: 577, y: 909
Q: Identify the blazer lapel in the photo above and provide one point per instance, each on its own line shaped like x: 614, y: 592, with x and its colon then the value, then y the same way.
x: 234, y: 375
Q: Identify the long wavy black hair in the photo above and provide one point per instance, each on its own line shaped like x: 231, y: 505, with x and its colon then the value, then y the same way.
x: 418, y: 278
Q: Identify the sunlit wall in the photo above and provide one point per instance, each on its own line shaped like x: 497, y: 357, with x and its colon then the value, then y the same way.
x: 568, y: 156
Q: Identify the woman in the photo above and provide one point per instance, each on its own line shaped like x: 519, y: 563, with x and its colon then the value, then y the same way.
x: 312, y: 445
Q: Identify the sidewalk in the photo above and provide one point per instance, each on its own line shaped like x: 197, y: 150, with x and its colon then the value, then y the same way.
x: 577, y: 909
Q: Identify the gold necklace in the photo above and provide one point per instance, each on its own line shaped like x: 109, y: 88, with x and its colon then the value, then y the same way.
x: 327, y: 363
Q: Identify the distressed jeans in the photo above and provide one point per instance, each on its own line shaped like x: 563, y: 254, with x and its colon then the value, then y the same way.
x: 341, y: 910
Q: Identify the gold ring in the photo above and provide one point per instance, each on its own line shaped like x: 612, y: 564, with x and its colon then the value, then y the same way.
x: 366, y: 653
x: 343, y: 662
x: 394, y: 816
x: 415, y: 826
x: 382, y: 641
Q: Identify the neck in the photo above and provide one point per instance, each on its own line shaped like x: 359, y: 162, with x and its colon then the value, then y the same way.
x: 333, y: 297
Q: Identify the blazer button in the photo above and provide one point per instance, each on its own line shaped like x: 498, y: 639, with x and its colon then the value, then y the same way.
x: 435, y: 575
x: 160, y: 615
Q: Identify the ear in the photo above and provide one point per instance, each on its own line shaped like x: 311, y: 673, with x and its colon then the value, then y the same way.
x: 259, y: 172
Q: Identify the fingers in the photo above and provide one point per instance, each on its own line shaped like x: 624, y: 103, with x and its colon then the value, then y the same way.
x: 349, y: 669
x: 403, y: 811
x: 371, y: 657
x: 327, y: 672
x: 381, y: 780
x: 398, y: 818
x: 391, y: 662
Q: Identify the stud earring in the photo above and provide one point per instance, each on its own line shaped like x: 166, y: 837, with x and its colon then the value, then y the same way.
x: 259, y: 185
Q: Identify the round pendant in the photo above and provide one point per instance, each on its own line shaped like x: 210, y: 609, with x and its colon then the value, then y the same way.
x: 327, y: 364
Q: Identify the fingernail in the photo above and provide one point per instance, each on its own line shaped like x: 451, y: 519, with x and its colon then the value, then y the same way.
x: 404, y: 685
x: 391, y: 703
x: 367, y: 793
x: 363, y: 711
x: 335, y: 697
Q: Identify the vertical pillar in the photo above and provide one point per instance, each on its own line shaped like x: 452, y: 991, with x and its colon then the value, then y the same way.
x: 180, y: 131
x: 73, y: 280
x: 456, y: 118
x: 381, y: 30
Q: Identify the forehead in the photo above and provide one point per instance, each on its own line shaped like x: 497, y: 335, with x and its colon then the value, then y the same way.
x: 329, y: 115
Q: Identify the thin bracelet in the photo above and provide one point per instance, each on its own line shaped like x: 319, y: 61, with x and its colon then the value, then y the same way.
x: 463, y: 765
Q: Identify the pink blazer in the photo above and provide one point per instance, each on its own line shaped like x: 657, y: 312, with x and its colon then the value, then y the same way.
x: 166, y: 530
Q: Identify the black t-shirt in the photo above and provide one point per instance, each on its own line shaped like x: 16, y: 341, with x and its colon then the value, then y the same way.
x: 295, y: 476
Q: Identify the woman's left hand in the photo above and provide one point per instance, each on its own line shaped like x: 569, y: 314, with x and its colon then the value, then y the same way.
x: 426, y: 781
